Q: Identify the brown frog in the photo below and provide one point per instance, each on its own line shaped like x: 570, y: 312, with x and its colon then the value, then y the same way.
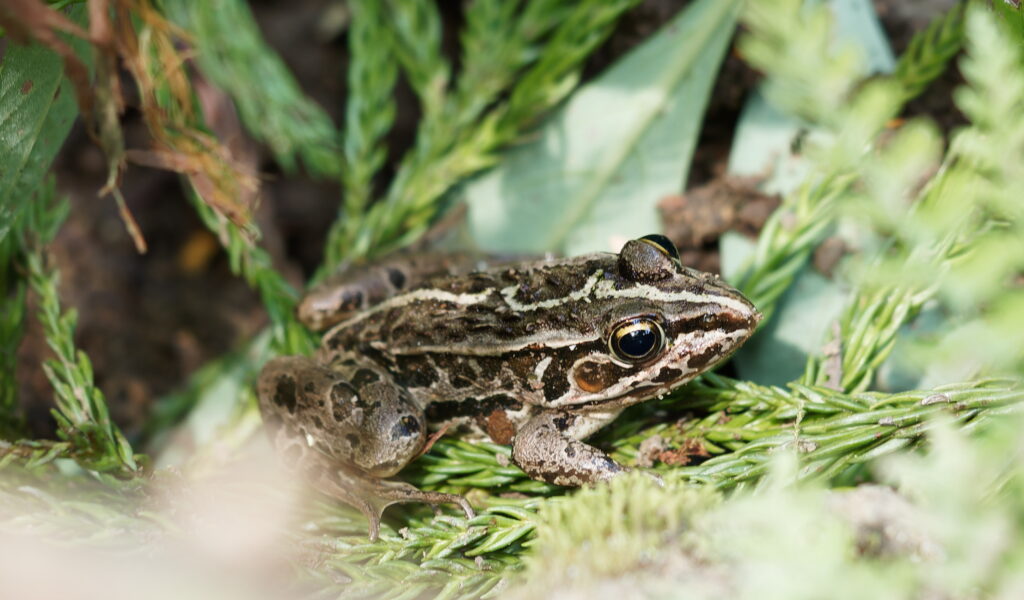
x: 537, y: 354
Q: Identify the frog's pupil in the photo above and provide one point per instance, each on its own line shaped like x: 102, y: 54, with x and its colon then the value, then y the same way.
x: 638, y: 342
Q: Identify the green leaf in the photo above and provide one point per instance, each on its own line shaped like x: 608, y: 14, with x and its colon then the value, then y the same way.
x: 597, y: 169
x: 37, y: 108
x: 930, y: 50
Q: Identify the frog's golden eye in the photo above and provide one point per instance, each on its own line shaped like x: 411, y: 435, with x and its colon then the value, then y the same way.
x: 663, y: 244
x: 636, y: 340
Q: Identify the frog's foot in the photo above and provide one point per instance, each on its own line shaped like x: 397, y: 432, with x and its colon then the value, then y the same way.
x: 371, y: 496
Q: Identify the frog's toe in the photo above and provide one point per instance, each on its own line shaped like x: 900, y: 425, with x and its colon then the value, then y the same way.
x: 384, y: 493
x: 373, y: 496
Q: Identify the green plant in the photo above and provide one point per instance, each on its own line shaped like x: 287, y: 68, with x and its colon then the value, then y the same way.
x: 934, y: 228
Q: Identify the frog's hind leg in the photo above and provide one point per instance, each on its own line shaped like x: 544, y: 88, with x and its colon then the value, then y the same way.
x: 346, y: 427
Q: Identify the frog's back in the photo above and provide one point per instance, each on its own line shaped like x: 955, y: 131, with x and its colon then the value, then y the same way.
x: 357, y: 287
x: 492, y: 312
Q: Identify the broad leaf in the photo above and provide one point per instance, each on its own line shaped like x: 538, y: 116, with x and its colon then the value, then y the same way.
x: 37, y: 108
x: 594, y: 173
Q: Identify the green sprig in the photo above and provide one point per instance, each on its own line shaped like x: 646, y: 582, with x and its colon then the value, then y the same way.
x: 12, y: 324
x: 788, y: 239
x: 82, y: 416
x: 232, y: 53
x: 448, y: 149
x: 930, y: 51
x: 831, y: 432
x: 369, y: 114
x: 417, y: 42
x: 451, y: 556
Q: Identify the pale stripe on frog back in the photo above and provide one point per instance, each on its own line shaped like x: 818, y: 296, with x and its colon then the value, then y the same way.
x: 606, y: 289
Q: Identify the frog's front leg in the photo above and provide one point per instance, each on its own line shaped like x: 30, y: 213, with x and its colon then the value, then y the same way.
x: 346, y: 427
x: 548, y: 447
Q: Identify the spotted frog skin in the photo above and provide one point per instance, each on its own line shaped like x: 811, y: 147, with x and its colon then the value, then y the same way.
x: 537, y: 354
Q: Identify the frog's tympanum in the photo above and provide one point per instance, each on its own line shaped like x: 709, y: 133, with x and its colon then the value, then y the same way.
x: 537, y: 354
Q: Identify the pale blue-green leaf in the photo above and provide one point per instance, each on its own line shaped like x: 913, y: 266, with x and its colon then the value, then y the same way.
x: 857, y: 20
x: 778, y: 353
x: 594, y: 174
x: 37, y: 108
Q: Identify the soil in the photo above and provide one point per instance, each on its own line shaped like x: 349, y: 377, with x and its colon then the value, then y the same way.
x: 148, y: 321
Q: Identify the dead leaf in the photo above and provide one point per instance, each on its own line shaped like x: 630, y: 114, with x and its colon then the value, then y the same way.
x: 137, y: 36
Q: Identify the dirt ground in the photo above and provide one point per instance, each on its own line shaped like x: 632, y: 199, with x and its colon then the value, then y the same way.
x: 148, y: 321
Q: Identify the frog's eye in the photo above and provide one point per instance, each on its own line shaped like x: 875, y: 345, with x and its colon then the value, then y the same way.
x: 636, y: 340
x: 663, y: 244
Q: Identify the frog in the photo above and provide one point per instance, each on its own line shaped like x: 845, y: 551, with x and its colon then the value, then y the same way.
x: 533, y: 353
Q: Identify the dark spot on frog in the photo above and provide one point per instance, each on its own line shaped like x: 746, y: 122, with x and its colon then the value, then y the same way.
x: 377, y: 357
x: 701, y: 359
x: 285, y: 394
x: 570, y: 451
x: 563, y: 422
x: 489, y: 367
x: 407, y: 426
x: 27, y: 86
x: 460, y: 374
x: 439, y: 412
x: 342, y: 392
x: 523, y: 364
x: 415, y: 371
x: 666, y: 375
x: 351, y: 300
x: 309, y: 388
x: 479, y: 284
x: 352, y: 439
x: 342, y: 396
x: 318, y: 422
x: 363, y: 377
x: 396, y: 277
x: 556, y: 384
